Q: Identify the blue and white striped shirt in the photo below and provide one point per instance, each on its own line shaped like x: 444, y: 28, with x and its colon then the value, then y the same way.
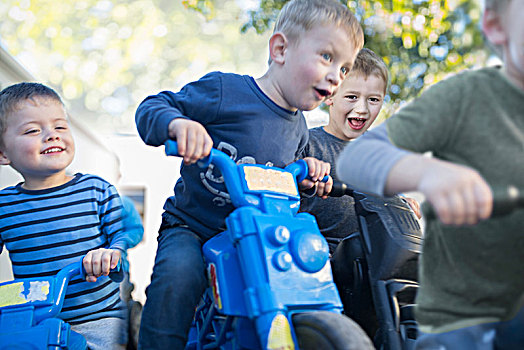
x: 45, y: 230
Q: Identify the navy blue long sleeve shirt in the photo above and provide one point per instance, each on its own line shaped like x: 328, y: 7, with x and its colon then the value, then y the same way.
x: 242, y: 122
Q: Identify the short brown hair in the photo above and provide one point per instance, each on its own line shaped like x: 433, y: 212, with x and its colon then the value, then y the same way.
x: 13, y: 95
x: 298, y: 16
x: 368, y: 63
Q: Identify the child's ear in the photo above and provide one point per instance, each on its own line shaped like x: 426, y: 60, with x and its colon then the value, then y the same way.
x: 493, y: 28
x: 3, y: 159
x: 277, y: 47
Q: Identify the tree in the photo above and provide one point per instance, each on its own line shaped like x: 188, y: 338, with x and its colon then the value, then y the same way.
x: 421, y: 41
x: 106, y: 56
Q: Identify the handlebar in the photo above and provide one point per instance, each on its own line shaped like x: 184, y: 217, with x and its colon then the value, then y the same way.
x: 505, y: 200
x: 227, y: 167
x: 49, y: 304
x: 340, y: 189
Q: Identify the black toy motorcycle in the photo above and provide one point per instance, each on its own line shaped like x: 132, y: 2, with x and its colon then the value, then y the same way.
x: 376, y: 268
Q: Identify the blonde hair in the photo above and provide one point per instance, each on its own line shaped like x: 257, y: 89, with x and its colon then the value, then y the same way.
x: 13, y: 95
x: 369, y: 63
x: 298, y: 16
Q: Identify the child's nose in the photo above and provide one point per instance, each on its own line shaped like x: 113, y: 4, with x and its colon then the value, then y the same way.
x: 52, y: 136
x: 361, y: 106
x: 334, y: 76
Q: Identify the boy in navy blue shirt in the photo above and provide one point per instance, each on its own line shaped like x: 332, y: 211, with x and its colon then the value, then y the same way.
x: 259, y: 121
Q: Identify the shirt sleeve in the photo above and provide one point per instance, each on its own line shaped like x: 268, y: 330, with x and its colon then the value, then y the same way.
x: 198, y: 101
x: 110, y: 213
x: 365, y: 163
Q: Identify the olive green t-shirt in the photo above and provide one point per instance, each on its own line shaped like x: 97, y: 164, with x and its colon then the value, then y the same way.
x: 471, y: 274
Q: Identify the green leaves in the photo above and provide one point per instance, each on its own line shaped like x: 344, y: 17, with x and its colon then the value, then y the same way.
x: 421, y: 41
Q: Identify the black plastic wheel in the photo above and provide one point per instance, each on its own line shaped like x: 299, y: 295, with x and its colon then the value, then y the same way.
x: 328, y: 330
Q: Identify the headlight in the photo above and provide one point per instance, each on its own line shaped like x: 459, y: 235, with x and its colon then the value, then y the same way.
x: 310, y: 250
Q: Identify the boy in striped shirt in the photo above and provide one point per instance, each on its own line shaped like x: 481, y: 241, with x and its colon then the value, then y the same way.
x: 52, y: 219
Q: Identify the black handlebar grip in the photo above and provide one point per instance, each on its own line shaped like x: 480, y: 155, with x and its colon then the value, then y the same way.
x: 340, y: 189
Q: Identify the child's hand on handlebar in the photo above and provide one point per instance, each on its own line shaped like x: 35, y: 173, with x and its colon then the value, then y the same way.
x: 458, y: 194
x: 194, y: 142
x: 317, y: 171
x: 99, y: 262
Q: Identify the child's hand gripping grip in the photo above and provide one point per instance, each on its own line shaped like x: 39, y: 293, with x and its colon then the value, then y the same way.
x: 505, y: 200
x: 116, y: 274
x: 299, y: 169
x: 172, y: 150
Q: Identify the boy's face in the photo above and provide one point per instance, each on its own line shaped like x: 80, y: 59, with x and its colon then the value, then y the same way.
x: 37, y: 141
x: 314, y: 66
x: 355, y: 106
x: 505, y: 28
x: 515, y: 40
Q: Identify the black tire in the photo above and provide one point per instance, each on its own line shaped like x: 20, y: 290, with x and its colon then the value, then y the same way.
x: 328, y: 330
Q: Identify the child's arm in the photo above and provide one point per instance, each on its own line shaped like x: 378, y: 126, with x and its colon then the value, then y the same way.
x: 198, y: 101
x: 458, y: 194
x: 317, y: 170
x: 372, y: 164
x: 99, y: 262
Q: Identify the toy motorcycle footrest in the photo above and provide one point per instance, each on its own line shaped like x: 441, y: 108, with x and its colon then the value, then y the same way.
x: 408, y: 328
x: 407, y: 312
x: 401, y: 295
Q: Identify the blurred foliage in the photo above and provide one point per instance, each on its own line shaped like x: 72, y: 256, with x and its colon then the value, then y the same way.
x: 421, y: 41
x: 105, y: 57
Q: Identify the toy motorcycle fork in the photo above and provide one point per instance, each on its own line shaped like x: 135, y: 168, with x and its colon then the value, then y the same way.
x: 272, y: 325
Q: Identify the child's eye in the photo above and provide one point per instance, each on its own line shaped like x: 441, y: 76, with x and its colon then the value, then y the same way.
x: 374, y: 99
x: 31, y: 131
x: 61, y: 128
x: 326, y: 56
x: 344, y: 71
x: 351, y: 97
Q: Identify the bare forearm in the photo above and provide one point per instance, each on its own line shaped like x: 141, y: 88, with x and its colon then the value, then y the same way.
x: 406, y: 173
x: 458, y: 193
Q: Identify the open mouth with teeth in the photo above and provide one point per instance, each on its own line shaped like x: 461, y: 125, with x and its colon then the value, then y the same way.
x: 357, y: 123
x: 52, y: 150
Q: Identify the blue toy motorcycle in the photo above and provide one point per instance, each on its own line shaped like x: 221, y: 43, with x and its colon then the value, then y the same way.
x: 28, y: 310
x: 271, y: 285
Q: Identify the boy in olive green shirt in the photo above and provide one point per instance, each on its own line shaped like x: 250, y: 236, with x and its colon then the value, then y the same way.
x: 471, y: 277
